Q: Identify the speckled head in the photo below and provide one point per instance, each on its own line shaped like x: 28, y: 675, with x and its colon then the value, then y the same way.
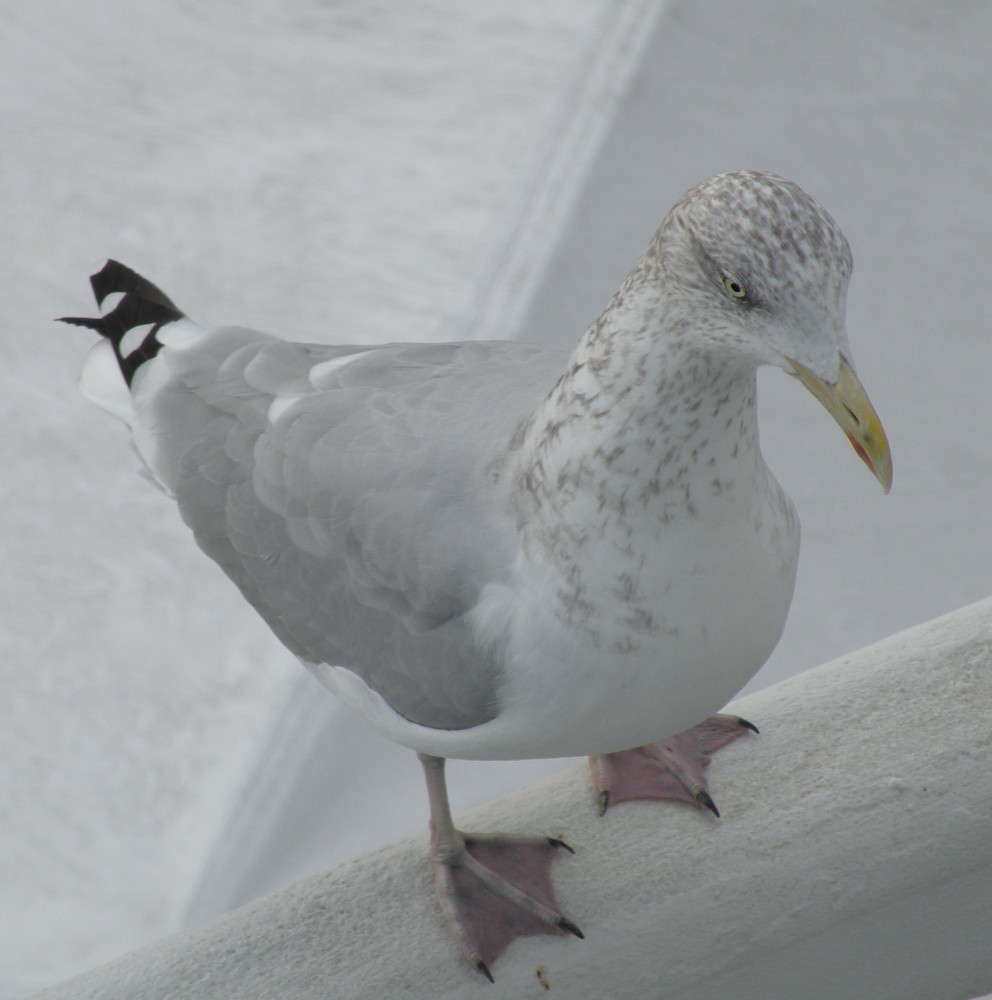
x: 754, y: 240
x: 765, y: 216
x: 753, y: 266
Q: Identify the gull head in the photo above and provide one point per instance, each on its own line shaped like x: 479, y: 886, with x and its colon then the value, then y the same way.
x: 756, y: 268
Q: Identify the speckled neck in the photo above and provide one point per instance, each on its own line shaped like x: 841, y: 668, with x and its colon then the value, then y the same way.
x: 646, y: 425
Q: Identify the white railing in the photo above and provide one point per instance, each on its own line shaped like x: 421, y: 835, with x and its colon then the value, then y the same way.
x: 853, y: 860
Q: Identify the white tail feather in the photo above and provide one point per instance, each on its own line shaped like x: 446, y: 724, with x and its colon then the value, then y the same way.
x: 101, y: 382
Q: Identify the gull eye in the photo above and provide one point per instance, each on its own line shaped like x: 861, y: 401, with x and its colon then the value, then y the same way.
x: 735, y: 288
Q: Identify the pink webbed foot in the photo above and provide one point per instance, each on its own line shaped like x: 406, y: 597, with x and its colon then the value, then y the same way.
x: 496, y: 888
x: 493, y: 888
x: 669, y: 769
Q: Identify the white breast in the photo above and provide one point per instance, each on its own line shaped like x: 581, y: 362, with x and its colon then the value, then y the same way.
x: 653, y: 659
x: 648, y: 659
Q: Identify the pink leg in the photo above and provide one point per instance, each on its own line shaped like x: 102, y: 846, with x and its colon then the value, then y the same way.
x: 491, y: 888
x: 670, y: 769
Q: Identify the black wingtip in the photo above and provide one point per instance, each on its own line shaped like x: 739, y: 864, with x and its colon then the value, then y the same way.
x: 137, y: 303
x: 92, y: 324
x: 117, y: 277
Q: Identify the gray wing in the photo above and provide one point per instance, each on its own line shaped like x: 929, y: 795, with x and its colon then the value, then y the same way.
x: 361, y: 522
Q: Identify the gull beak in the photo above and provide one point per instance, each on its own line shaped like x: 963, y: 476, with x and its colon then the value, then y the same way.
x: 847, y: 402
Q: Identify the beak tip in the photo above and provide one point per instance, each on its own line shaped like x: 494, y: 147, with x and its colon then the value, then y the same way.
x: 881, y: 465
x: 846, y: 401
x: 878, y: 460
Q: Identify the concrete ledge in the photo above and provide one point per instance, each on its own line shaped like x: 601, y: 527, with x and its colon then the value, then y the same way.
x: 854, y: 859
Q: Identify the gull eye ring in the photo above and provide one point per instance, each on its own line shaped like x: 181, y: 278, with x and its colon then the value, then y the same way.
x: 735, y: 289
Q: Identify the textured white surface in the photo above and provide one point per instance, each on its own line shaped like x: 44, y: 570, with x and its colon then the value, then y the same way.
x: 853, y: 859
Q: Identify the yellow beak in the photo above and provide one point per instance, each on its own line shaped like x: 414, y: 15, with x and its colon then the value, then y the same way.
x: 847, y: 402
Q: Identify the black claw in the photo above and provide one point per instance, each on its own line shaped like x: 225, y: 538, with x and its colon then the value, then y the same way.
x: 484, y: 969
x: 567, y: 925
x: 748, y: 725
x: 704, y: 799
x: 558, y: 842
x: 604, y: 803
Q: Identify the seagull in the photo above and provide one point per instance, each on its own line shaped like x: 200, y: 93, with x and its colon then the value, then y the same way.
x: 493, y: 550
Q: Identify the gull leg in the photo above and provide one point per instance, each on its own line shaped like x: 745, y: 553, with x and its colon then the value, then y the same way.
x: 669, y: 769
x: 491, y: 888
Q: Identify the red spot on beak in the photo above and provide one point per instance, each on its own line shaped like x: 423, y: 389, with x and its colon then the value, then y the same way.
x: 862, y: 454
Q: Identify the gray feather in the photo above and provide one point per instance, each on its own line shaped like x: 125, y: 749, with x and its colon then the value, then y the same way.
x: 353, y: 522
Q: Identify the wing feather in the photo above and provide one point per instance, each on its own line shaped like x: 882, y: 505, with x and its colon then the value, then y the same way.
x: 356, y: 520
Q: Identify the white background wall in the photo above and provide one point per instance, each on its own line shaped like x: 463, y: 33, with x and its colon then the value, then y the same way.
x: 365, y: 171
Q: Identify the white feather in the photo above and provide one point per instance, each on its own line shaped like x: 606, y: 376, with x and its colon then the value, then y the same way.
x: 110, y: 302
x: 320, y: 372
x: 101, y: 382
x: 134, y: 338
